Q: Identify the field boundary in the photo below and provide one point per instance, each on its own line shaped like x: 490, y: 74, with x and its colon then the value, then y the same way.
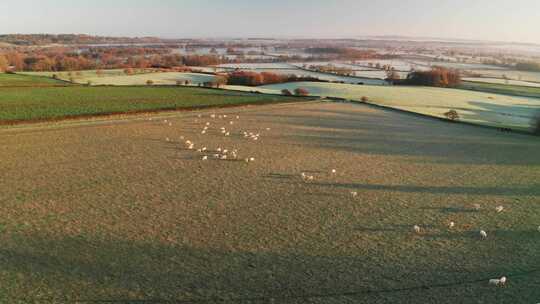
x: 125, y: 116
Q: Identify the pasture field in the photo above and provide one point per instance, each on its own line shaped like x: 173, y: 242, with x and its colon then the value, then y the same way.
x: 14, y: 80
x: 503, y: 81
x: 55, y: 103
x: 474, y: 107
x: 506, y: 89
x: 113, y: 212
x: 510, y: 74
x: 119, y: 78
x: 289, y: 69
x: 66, y: 75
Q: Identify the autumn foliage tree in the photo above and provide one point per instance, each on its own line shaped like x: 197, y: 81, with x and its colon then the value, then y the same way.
x: 4, y: 64
x: 437, y: 77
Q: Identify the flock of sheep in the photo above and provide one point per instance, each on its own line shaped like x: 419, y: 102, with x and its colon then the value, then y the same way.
x: 233, y: 154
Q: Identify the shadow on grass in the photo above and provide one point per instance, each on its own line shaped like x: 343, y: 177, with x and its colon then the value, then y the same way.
x: 393, y: 133
x: 452, y: 209
x: 78, y: 269
x: 524, y: 191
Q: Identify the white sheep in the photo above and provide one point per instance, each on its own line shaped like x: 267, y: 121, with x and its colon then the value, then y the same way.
x: 499, y: 209
x: 498, y: 282
x: 483, y: 234
x: 354, y: 193
x: 451, y: 225
x: 205, y: 157
x: 417, y: 229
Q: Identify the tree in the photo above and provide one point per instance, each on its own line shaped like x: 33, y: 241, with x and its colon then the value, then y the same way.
x: 437, y: 77
x: 4, y: 64
x: 301, y: 92
x: 286, y: 92
x: 452, y: 115
x: 392, y: 76
x: 220, y: 80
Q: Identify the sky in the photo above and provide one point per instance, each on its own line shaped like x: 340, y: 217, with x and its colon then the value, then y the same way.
x: 494, y: 20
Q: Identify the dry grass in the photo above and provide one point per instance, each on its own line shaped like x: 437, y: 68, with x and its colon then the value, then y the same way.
x: 112, y: 211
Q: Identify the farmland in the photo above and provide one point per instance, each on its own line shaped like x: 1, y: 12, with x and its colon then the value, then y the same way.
x: 474, y: 107
x: 119, y: 78
x: 113, y: 212
x: 503, y: 81
x: 11, y: 80
x: 33, y: 104
x: 506, y: 89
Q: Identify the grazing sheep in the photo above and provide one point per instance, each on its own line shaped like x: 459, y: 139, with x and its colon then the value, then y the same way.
x: 498, y: 282
x: 451, y: 225
x: 417, y: 229
x: 499, y: 209
x: 354, y: 193
x: 483, y: 234
x: 334, y: 171
x: 205, y: 157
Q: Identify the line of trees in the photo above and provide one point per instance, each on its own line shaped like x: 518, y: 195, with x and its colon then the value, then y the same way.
x: 60, y: 59
x: 247, y: 78
x: 437, y: 77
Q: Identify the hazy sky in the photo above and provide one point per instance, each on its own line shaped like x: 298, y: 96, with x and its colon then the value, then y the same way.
x: 500, y: 20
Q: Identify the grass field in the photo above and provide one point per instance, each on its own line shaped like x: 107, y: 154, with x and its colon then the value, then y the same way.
x: 14, y: 80
x: 119, y: 78
x: 502, y: 82
x: 505, y: 89
x: 54, y: 103
x: 474, y: 107
x: 112, y: 212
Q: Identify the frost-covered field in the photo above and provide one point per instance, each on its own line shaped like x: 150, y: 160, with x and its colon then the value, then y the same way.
x: 510, y: 74
x: 474, y: 107
x: 118, y: 77
x: 503, y: 81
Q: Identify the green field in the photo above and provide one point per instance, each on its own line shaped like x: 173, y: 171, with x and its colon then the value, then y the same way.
x: 505, y: 89
x: 56, y: 103
x: 14, y: 80
x: 473, y: 107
